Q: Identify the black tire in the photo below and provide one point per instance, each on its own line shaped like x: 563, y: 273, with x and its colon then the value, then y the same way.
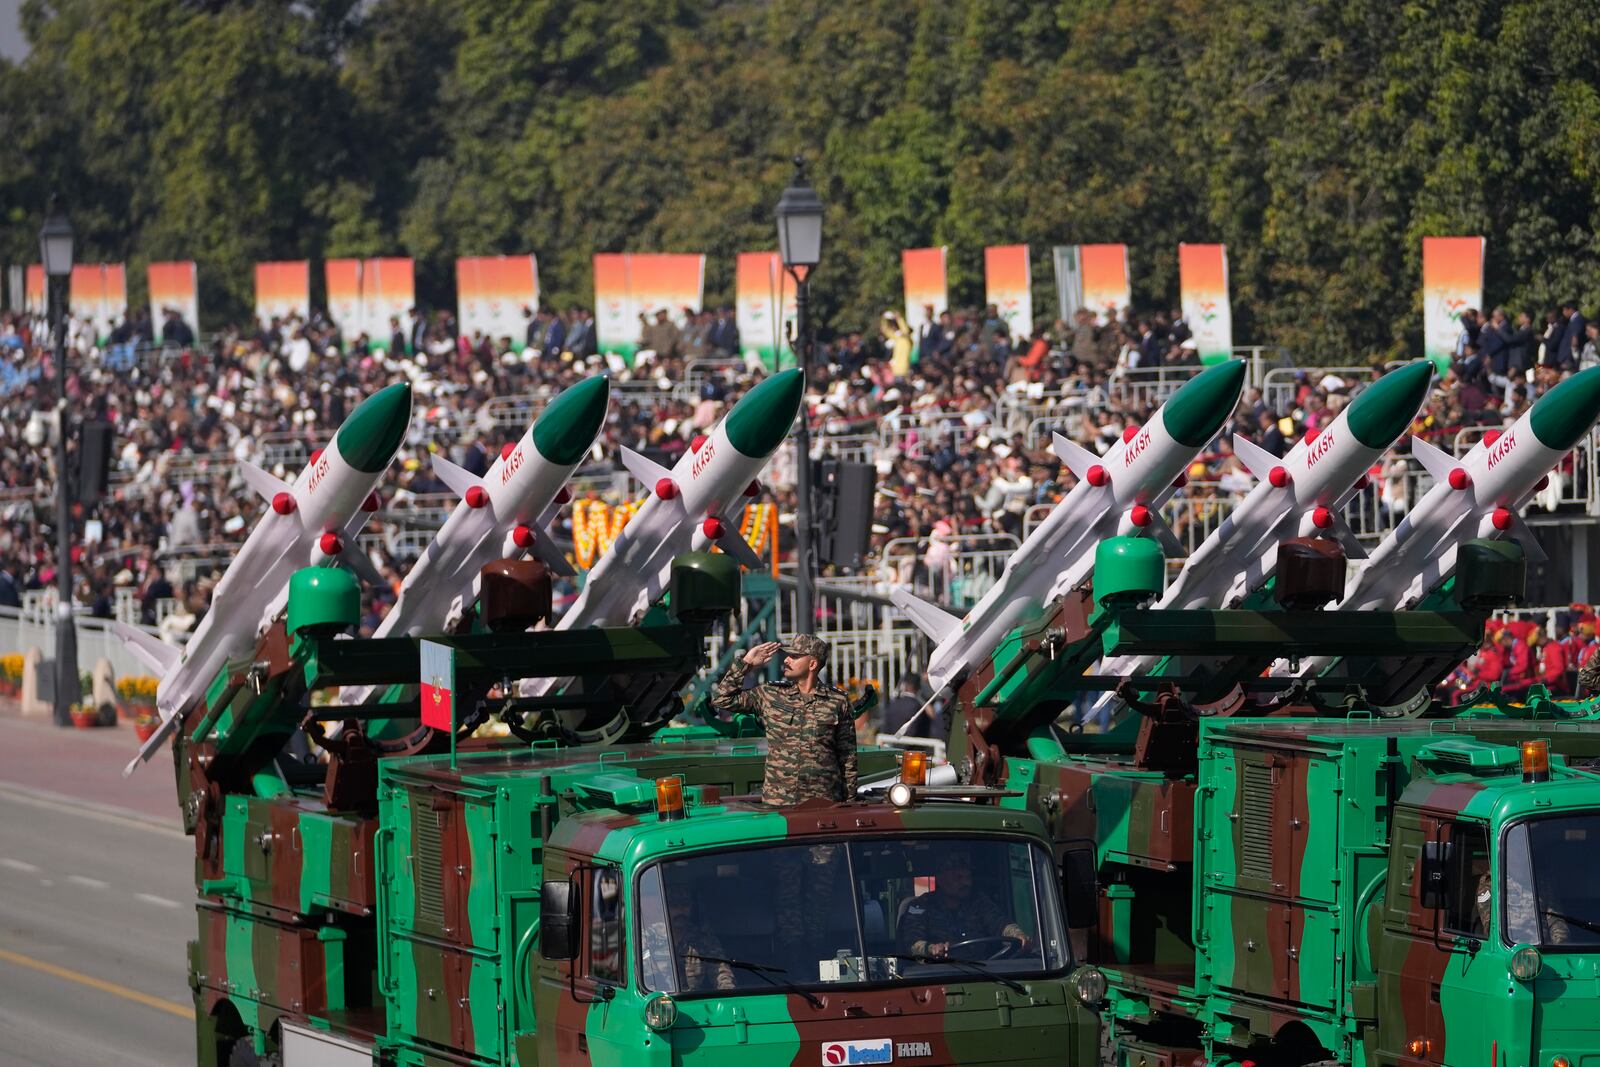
x: 244, y: 1055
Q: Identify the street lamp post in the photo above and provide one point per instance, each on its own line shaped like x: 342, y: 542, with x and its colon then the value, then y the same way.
x: 799, y: 216
x: 55, y: 249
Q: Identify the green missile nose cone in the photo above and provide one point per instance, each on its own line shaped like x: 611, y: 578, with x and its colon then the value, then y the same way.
x: 761, y: 420
x: 566, y: 429
x: 369, y: 438
x: 1381, y: 412
x: 1195, y: 413
x: 1562, y: 416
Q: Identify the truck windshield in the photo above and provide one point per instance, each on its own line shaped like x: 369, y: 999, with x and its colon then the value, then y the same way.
x: 1549, y: 900
x: 848, y: 913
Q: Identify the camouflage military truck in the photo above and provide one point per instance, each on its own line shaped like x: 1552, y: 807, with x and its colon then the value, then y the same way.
x: 1293, y: 871
x: 422, y: 895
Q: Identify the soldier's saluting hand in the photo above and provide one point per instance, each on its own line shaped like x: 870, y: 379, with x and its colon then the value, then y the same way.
x: 811, y: 733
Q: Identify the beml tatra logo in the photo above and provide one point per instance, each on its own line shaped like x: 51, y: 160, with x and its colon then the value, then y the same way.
x: 837, y: 1053
x: 317, y: 475
x: 512, y: 464
x: 1135, y: 450
x: 1502, y: 448
x: 1319, y: 448
x: 703, y: 457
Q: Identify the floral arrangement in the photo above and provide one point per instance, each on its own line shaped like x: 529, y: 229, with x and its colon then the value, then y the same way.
x: 11, y: 674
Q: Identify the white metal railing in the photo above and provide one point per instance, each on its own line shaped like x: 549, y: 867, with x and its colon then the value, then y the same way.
x: 916, y: 436
x: 955, y: 570
x: 1147, y: 387
x: 1278, y: 386
x: 850, y: 447
x: 21, y: 633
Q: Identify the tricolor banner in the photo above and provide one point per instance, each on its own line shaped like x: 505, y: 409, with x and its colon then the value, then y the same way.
x: 343, y: 278
x: 1203, y: 289
x: 491, y: 294
x: 1008, y: 285
x: 99, y: 293
x: 1095, y: 277
x: 283, y: 289
x: 174, y: 286
x: 388, y: 291
x: 924, y: 270
x: 630, y: 284
x: 1452, y: 282
x: 765, y: 306
x: 36, y: 300
x: 438, y: 685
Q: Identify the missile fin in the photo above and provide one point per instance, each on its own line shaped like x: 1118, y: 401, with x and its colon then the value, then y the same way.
x: 266, y: 485
x: 649, y: 472
x: 1523, y: 535
x: 1159, y: 529
x: 737, y: 547
x: 458, y: 478
x: 544, y: 547
x: 934, y: 621
x: 1257, y: 460
x: 168, y: 726
x: 1435, y: 460
x: 1341, y: 532
x: 358, y: 561
x: 147, y: 648
x: 1077, y: 458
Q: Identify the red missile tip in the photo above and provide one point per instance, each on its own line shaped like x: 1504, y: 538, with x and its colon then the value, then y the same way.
x: 522, y: 537
x: 506, y: 450
x: 1460, y: 479
x: 1139, y: 516
x: 1491, y: 437
x: 699, y: 439
x: 1544, y: 483
x: 1278, y: 477
x: 316, y: 455
x: 1322, y: 518
x: 283, y: 503
x: 563, y: 495
x: 371, y: 504
x: 753, y: 489
x: 1097, y: 476
x: 1129, y: 433
x: 1501, y: 519
x: 476, y: 497
x: 330, y: 544
x: 714, y: 529
x: 666, y: 489
x: 1180, y: 481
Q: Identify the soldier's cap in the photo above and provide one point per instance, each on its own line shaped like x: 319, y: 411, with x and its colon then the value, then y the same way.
x: 807, y: 645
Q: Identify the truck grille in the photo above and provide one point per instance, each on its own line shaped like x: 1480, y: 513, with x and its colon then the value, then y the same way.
x: 1255, y: 822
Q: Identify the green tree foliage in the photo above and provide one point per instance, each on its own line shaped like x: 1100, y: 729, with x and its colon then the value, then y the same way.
x: 1320, y: 141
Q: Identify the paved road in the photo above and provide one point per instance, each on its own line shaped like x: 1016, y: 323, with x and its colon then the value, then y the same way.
x: 96, y: 906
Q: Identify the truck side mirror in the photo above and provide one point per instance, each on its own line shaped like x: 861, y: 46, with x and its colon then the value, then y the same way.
x: 1080, y: 886
x: 558, y: 920
x: 1431, y: 883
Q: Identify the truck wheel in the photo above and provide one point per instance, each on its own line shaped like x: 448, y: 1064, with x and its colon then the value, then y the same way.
x: 244, y: 1055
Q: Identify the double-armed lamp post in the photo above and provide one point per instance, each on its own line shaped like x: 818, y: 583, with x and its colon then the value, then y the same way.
x: 799, y: 215
x: 55, y: 251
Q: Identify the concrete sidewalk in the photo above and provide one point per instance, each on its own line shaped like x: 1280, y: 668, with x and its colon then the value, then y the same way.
x: 86, y: 765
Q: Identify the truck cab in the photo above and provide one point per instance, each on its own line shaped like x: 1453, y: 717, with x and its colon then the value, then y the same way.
x: 725, y: 931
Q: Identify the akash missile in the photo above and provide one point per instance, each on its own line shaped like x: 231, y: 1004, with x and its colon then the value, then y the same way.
x: 1119, y: 493
x: 690, y: 506
x: 313, y: 522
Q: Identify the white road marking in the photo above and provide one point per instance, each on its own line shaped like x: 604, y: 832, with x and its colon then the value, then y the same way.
x: 161, y: 902
x: 88, y: 883
x: 44, y: 798
x: 18, y: 865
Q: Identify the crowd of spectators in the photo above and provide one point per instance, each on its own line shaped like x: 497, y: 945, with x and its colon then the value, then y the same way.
x: 932, y: 395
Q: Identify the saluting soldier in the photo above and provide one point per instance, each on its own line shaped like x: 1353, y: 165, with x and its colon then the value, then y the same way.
x: 811, y: 733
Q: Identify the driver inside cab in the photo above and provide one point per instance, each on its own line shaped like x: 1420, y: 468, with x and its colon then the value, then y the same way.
x: 953, y: 914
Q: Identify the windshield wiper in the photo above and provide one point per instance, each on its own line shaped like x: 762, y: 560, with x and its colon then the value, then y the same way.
x: 764, y: 972
x: 1592, y: 927
x: 976, y: 967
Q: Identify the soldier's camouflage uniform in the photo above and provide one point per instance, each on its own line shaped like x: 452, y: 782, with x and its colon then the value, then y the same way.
x: 927, y: 921
x: 699, y: 975
x: 811, y: 738
x: 1589, y: 675
x: 1522, y: 919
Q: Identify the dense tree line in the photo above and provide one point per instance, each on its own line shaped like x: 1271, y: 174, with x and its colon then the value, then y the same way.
x: 1319, y: 140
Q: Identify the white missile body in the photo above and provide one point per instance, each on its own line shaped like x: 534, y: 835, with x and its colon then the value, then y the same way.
x: 1117, y: 494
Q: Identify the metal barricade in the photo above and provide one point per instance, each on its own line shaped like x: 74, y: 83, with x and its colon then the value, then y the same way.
x: 916, y: 436
x: 851, y: 447
x: 955, y: 571
x: 1278, y: 386
x: 1147, y: 387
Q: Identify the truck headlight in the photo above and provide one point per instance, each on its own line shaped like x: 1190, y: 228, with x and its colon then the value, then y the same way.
x: 1089, y: 985
x: 900, y: 795
x: 660, y: 1012
x: 1526, y: 963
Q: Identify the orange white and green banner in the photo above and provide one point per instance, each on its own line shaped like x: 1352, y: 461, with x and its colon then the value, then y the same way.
x: 765, y: 306
x: 1095, y: 277
x: 35, y: 300
x: 495, y: 296
x: 1203, y: 295
x: 388, y: 291
x: 99, y: 293
x: 343, y: 278
x: 175, y: 287
x: 1008, y: 285
x: 1452, y: 282
x: 283, y: 289
x: 631, y: 286
x: 924, y: 271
